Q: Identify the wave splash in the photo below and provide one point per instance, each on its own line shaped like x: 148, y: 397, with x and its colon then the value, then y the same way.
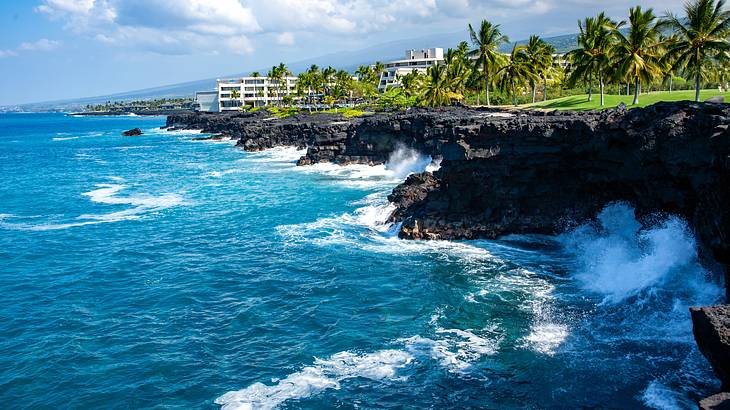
x: 619, y: 258
x: 648, y: 275
x: 322, y: 375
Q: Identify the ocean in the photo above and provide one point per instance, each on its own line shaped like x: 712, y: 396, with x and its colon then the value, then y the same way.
x: 162, y: 272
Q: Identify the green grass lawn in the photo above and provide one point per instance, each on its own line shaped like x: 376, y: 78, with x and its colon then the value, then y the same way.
x: 580, y: 102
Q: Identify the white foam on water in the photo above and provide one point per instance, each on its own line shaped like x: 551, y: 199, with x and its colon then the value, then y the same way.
x: 405, y: 161
x: 456, y: 350
x: 288, y: 155
x: 177, y: 132
x: 220, y: 174
x: 141, y: 204
x: 546, y: 338
x: 472, y: 297
x: 648, y: 276
x: 322, y: 375
x: 64, y: 138
x: 401, y: 163
x: 618, y: 258
x: 658, y: 396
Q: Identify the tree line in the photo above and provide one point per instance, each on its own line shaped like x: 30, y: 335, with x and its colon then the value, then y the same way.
x: 643, y: 52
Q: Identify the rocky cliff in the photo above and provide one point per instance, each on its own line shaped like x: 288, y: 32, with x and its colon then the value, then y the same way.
x: 533, y: 174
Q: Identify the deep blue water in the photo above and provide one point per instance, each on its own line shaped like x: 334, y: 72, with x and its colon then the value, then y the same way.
x: 161, y: 272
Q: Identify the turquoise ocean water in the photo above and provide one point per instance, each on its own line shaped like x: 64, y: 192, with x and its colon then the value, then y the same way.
x: 162, y: 272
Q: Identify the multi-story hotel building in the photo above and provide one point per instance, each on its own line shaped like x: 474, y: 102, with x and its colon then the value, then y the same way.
x: 418, y: 60
x: 253, y: 91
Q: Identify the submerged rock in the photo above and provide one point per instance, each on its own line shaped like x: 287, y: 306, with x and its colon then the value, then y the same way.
x: 132, y: 133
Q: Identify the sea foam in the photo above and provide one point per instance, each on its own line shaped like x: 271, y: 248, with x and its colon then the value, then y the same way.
x: 322, y: 375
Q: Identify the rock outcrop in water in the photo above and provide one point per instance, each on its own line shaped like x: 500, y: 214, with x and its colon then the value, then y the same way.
x: 132, y: 133
x: 711, y: 328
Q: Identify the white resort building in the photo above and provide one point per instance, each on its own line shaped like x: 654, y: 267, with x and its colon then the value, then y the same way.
x: 233, y: 93
x: 418, y: 60
x: 206, y: 101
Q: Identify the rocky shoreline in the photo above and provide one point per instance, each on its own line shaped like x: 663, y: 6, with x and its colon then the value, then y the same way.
x: 537, y: 172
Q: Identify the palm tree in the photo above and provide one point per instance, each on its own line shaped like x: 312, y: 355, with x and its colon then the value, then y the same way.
x: 328, y: 77
x: 437, y: 89
x: 702, y: 35
x: 235, y: 95
x: 540, y: 57
x: 255, y: 74
x: 638, y: 56
x: 515, y: 72
x: 411, y: 83
x: 282, y: 74
x: 486, y: 50
x: 343, y: 84
x: 593, y: 54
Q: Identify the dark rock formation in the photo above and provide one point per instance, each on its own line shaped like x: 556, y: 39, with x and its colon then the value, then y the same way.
x: 522, y: 172
x: 260, y: 130
x: 711, y: 328
x: 539, y: 174
x: 132, y: 133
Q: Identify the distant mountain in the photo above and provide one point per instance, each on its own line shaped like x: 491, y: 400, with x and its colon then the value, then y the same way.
x: 347, y: 60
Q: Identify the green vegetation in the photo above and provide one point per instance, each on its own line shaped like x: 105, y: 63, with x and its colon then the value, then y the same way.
x: 639, y: 61
x: 142, y: 105
x: 581, y: 102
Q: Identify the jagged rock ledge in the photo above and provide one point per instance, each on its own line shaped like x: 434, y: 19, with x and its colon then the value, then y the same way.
x: 522, y: 172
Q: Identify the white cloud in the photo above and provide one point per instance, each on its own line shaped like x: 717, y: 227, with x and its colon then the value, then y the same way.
x: 285, y: 39
x: 56, y: 7
x: 160, y: 26
x: 43, y: 44
x: 239, y: 45
x: 234, y: 26
x: 7, y: 53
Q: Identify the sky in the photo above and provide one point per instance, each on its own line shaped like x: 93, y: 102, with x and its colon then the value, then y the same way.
x: 61, y: 49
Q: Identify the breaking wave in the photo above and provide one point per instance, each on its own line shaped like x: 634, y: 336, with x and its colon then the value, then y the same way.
x: 619, y: 258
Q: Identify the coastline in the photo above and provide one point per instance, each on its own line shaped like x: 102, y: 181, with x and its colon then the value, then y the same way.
x: 506, y: 162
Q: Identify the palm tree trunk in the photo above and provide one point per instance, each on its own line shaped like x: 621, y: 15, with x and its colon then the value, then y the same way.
x: 627, y: 88
x: 636, y: 92
x: 671, y: 80
x: 514, y: 94
x: 697, y: 85
x: 487, y: 84
x: 544, y: 88
x: 600, y: 81
x: 534, y: 92
x: 590, y: 87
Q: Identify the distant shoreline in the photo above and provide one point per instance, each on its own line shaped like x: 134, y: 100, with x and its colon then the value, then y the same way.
x: 140, y: 113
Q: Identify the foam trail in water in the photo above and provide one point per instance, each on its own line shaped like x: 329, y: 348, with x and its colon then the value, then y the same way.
x: 105, y: 194
x: 322, y: 375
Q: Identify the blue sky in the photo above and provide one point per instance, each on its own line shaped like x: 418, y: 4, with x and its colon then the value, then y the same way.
x: 59, y: 49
